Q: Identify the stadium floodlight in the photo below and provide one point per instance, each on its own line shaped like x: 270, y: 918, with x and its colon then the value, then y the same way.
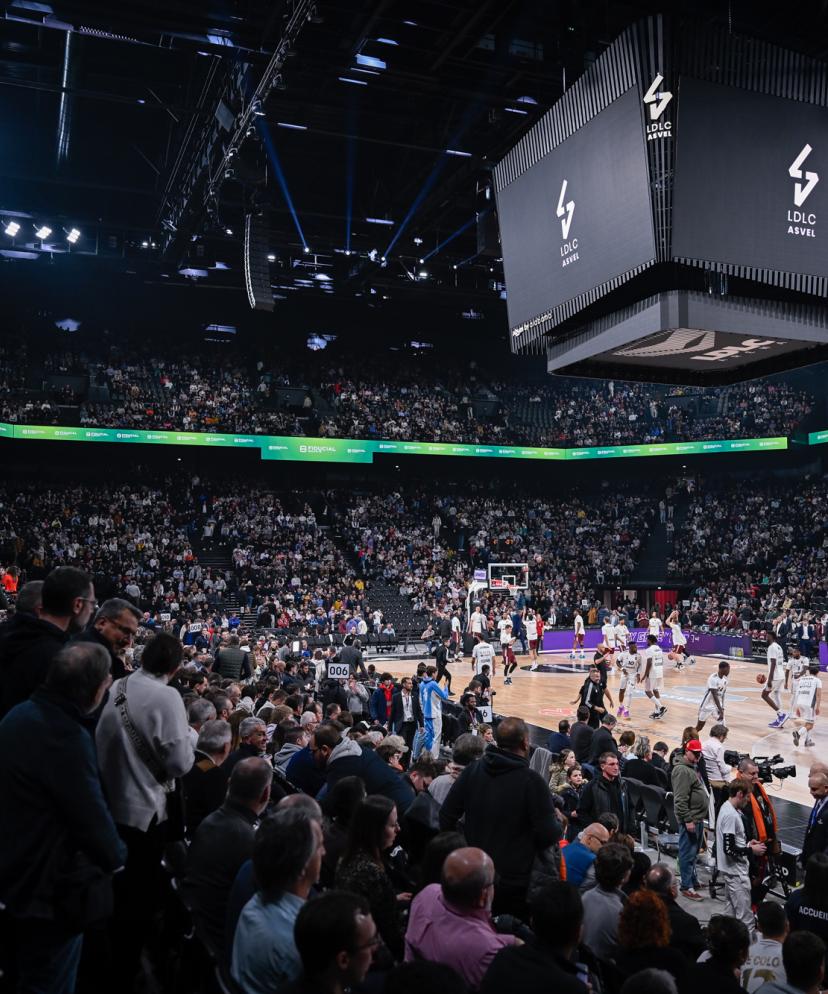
x: 387, y: 41
x: 458, y: 153
x: 291, y: 127
x: 423, y: 274
x: 43, y: 232
x: 371, y: 61
x: 12, y: 228
x: 271, y: 257
x: 356, y: 82
x: 380, y: 220
x: 228, y: 231
x: 73, y: 236
x: 306, y: 250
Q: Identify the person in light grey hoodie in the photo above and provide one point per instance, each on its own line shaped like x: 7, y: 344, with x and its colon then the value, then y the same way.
x: 803, y: 956
x: 296, y: 738
x: 144, y: 745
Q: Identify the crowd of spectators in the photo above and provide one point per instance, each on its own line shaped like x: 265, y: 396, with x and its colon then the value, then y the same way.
x: 263, y: 826
x: 397, y: 398
x: 764, y: 545
x: 428, y: 546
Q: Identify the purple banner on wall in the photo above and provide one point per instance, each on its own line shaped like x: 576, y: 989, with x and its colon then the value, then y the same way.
x: 823, y: 656
x: 703, y: 643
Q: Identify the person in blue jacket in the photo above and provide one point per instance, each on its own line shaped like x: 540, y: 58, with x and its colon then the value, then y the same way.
x: 432, y: 696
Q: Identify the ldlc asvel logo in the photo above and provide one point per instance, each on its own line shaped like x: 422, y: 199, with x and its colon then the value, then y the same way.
x: 802, y: 223
x: 566, y: 211
x: 657, y: 100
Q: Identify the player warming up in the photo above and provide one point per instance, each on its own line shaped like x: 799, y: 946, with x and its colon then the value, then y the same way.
x: 795, y: 666
x: 629, y: 662
x: 808, y: 702
x: 713, y: 703
x: 775, y: 682
x: 679, y: 640
x: 651, y: 674
x: 578, y: 640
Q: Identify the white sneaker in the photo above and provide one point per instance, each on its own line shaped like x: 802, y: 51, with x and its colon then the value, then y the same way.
x: 809, y: 741
x: 533, y: 667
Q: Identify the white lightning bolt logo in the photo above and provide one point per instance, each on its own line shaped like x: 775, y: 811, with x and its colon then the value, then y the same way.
x: 657, y: 101
x: 801, y: 193
x: 565, y: 213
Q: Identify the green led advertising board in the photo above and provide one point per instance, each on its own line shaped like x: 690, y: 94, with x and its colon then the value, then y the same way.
x: 350, y: 450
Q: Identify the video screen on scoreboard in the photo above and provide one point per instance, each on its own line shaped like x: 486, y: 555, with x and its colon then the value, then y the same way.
x: 751, y: 182
x: 578, y: 217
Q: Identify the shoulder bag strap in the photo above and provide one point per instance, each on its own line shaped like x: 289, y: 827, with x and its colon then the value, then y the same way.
x: 140, y: 744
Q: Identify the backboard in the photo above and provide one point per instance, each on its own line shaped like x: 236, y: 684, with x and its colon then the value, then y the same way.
x: 505, y: 575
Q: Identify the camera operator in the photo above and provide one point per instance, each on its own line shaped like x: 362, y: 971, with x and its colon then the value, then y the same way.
x: 760, y: 826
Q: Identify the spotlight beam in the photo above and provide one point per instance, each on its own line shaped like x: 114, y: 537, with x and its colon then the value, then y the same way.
x: 273, y: 158
x: 453, y: 235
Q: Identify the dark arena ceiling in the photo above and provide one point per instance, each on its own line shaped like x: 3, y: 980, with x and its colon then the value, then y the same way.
x: 370, y: 149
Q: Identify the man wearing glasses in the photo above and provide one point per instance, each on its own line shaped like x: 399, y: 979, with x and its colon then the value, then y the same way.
x: 115, y: 627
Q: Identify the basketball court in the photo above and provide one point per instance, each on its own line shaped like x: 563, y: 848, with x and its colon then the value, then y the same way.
x: 544, y: 697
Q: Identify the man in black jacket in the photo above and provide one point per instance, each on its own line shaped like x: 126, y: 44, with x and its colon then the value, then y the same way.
x: 30, y: 642
x: 406, y: 712
x: 205, y: 786
x: 223, y: 842
x: 508, y: 813
x: 547, y: 963
x: 580, y: 735
x: 602, y: 740
x: 685, y: 932
x: 114, y: 627
x: 54, y: 819
x: 606, y: 792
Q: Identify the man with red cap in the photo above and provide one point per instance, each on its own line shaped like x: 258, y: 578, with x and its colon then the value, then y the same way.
x: 691, y: 801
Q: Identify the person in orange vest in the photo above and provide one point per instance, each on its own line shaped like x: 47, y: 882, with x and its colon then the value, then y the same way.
x: 9, y: 580
x: 760, y: 825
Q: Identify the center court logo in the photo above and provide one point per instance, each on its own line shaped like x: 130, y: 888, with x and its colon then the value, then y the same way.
x: 802, y: 224
x: 566, y: 211
x: 656, y: 100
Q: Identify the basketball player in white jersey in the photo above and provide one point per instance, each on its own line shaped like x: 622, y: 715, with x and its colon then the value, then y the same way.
x: 608, y: 633
x: 775, y: 682
x: 629, y: 662
x: 578, y: 640
x: 679, y: 639
x: 654, y: 625
x: 622, y: 637
x: 808, y: 702
x: 651, y: 675
x: 483, y: 654
x: 713, y: 702
x: 795, y: 666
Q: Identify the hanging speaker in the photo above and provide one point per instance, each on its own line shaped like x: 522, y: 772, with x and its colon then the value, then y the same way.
x: 256, y: 268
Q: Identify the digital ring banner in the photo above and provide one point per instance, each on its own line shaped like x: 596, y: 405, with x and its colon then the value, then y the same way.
x: 350, y: 450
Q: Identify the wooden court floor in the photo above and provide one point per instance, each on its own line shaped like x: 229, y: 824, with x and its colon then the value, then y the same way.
x: 544, y: 698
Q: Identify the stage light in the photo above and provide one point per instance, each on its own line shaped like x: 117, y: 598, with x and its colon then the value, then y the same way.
x: 12, y: 228
x: 383, y: 260
x: 356, y: 82
x: 418, y: 241
x: 515, y: 110
x: 43, y: 232
x: 380, y: 220
x: 422, y: 261
x: 306, y: 250
x: 322, y: 277
x: 423, y: 274
x: 228, y: 231
x: 292, y: 127
x: 458, y: 153
x: 271, y: 257
x: 73, y: 236
x: 387, y: 41
x: 144, y: 244
x: 370, y: 60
